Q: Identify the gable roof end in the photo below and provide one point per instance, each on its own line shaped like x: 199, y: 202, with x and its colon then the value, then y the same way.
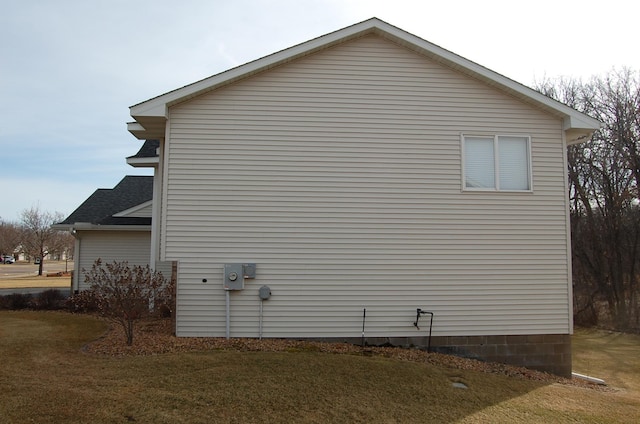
x: 150, y: 116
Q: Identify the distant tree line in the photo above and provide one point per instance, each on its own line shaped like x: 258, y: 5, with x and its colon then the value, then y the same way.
x: 604, y: 179
x: 34, y: 237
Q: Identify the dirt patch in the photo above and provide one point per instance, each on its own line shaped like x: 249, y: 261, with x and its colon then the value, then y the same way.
x: 59, y: 274
x: 154, y: 337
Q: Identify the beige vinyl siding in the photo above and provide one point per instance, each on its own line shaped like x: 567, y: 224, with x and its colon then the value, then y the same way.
x: 339, y: 175
x: 130, y: 246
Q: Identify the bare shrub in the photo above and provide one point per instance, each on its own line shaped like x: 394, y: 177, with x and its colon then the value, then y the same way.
x: 83, y: 302
x: 16, y: 301
x: 125, y: 294
x: 51, y: 299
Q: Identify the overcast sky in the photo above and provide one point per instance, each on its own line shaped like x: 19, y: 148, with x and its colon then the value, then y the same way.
x: 70, y: 69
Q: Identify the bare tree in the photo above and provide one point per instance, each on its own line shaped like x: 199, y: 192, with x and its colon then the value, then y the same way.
x: 38, y: 238
x: 62, y: 245
x: 604, y: 177
x: 9, y: 237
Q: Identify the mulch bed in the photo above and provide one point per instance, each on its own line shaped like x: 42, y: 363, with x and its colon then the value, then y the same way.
x: 155, y: 337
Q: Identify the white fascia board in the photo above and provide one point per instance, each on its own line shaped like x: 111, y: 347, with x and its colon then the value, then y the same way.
x: 581, y: 121
x: 155, y: 107
x: 143, y: 162
x: 134, y: 126
x: 85, y: 226
x: 137, y: 130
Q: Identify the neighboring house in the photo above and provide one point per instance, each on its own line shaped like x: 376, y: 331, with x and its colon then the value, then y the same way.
x: 113, y: 225
x: 368, y: 169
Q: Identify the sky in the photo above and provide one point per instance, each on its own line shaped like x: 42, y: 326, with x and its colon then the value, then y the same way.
x: 70, y: 69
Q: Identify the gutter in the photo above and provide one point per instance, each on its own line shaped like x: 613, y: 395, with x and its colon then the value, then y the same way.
x: 78, y: 226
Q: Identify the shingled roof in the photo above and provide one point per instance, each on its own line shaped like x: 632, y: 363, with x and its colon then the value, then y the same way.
x: 148, y: 150
x: 103, y: 204
x: 147, y: 156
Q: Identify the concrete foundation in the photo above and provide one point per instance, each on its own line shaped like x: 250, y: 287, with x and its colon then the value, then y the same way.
x: 542, y: 352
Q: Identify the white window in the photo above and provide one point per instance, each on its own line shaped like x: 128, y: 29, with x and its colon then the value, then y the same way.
x: 501, y: 162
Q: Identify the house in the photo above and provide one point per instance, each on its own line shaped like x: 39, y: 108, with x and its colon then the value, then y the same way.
x: 336, y: 189
x: 113, y: 225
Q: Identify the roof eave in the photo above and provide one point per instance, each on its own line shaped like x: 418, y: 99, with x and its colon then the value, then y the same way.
x: 143, y: 162
x: 579, y: 128
x: 87, y: 226
x: 147, y: 127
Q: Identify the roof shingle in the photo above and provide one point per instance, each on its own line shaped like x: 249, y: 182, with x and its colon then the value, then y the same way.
x: 100, y: 207
x: 148, y: 150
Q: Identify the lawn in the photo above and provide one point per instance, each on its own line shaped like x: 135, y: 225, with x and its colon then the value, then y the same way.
x: 27, y: 278
x: 46, y: 377
x: 35, y: 281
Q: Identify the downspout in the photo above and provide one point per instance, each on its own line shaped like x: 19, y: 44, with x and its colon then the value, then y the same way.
x: 264, y: 293
x: 156, y: 207
x: 228, y: 315
x: 565, y: 162
x: 75, y: 286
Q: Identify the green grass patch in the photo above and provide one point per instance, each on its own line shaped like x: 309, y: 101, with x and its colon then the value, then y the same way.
x: 46, y: 378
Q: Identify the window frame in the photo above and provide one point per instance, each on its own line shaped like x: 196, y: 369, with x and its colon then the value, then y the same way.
x: 496, y: 162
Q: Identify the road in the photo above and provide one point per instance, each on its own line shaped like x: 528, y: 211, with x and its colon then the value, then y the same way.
x: 24, y: 269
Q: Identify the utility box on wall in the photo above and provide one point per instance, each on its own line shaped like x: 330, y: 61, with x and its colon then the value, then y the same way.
x: 235, y: 274
x: 249, y: 270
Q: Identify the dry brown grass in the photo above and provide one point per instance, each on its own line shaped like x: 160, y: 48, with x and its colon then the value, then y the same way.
x: 24, y: 275
x: 155, y: 336
x: 35, y: 281
x: 47, y: 377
